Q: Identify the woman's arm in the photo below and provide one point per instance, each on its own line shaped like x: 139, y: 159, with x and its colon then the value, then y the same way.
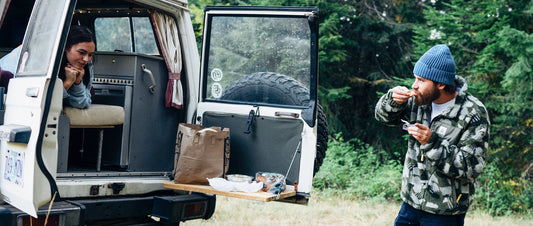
x: 79, y: 95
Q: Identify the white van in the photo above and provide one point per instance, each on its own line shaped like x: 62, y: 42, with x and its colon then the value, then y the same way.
x: 258, y: 76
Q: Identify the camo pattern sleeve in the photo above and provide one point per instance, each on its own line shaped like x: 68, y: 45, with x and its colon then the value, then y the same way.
x: 388, y: 111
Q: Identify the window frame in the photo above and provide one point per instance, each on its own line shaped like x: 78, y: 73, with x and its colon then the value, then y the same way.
x: 91, y: 16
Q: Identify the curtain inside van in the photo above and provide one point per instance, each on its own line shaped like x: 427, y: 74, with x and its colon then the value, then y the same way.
x: 166, y: 31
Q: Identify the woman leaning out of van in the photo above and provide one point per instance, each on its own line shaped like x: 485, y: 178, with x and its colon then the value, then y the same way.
x: 77, y: 71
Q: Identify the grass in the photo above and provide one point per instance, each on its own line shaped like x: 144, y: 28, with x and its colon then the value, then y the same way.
x: 325, y: 210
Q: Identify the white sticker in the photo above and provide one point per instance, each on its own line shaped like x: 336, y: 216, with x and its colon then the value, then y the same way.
x: 216, y: 90
x: 442, y: 130
x: 216, y: 75
x: 14, y: 166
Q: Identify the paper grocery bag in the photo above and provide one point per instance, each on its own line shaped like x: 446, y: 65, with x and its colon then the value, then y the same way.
x: 201, y: 153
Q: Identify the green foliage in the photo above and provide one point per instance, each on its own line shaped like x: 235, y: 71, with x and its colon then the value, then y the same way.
x: 333, y: 95
x: 357, y: 169
x: 197, y: 18
x: 500, y: 195
x: 407, y: 82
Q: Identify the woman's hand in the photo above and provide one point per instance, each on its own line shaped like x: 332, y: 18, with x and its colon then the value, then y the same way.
x: 73, y: 75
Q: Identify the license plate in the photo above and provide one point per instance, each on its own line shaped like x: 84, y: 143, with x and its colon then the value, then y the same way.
x: 13, y: 170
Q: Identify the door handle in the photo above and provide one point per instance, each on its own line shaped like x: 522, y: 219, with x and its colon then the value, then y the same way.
x: 147, y: 71
x: 287, y: 114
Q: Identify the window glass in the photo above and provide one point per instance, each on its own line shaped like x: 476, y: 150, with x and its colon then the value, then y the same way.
x: 113, y: 34
x: 144, y: 36
x: 41, y: 37
x: 240, y: 46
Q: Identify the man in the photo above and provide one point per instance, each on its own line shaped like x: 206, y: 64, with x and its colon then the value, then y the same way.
x: 449, y: 133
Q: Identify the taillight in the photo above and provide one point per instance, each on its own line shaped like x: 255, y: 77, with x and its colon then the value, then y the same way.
x: 173, y: 209
x: 194, y: 210
x: 53, y: 220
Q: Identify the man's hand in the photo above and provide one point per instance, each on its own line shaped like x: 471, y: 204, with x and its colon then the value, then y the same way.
x: 420, y: 132
x: 400, y: 94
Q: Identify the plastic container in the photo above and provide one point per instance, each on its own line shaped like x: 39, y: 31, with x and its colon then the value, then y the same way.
x: 269, y: 179
x: 239, y: 178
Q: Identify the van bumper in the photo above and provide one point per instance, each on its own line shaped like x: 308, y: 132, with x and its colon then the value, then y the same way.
x: 160, y: 210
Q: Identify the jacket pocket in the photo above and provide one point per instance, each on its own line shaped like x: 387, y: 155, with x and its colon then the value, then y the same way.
x: 441, y: 194
x: 463, y: 191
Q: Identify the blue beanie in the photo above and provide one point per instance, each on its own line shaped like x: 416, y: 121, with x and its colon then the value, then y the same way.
x: 437, y: 65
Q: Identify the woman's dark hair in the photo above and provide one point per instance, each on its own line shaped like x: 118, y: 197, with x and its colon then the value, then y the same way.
x: 77, y: 34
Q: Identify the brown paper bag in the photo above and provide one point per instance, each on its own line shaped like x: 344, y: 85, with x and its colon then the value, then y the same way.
x: 201, y: 153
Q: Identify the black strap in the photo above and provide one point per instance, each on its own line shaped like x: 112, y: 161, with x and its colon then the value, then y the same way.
x: 177, y: 154
x: 226, y: 156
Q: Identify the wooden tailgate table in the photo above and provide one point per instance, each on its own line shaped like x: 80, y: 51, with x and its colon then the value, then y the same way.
x: 259, y: 196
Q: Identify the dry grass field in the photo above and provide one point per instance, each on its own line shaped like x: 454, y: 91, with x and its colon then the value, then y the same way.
x: 325, y: 211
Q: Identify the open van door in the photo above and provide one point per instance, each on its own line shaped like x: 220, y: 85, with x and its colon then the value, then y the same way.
x: 259, y: 77
x: 29, y: 134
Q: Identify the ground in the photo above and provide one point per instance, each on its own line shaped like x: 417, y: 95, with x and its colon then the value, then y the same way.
x: 323, y: 210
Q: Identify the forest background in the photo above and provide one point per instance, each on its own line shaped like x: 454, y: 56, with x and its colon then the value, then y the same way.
x: 369, y: 46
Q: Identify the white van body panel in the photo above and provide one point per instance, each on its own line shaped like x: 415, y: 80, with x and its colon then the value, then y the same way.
x: 28, y: 188
x: 81, y: 187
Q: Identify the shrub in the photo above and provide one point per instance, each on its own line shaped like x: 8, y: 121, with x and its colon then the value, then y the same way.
x: 500, y: 195
x: 353, y: 169
x: 359, y: 170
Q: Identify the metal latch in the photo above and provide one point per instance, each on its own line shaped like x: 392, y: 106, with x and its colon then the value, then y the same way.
x: 250, y: 120
x: 117, y: 187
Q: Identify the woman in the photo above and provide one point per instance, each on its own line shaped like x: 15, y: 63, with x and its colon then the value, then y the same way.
x: 76, y: 72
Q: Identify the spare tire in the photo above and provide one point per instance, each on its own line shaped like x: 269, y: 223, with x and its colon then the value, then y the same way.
x: 272, y: 88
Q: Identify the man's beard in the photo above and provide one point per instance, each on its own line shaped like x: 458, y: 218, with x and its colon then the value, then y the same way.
x: 426, y: 99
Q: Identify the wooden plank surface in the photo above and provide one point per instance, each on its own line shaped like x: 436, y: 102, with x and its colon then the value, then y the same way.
x: 259, y: 196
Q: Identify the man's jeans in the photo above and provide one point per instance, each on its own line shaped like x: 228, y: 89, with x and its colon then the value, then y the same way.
x: 411, y: 216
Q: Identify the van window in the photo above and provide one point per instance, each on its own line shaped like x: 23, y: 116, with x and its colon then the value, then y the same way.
x: 41, y: 38
x: 240, y: 46
x: 115, y: 34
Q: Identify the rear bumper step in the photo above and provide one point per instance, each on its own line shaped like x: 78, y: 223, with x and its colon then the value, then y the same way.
x: 168, y: 208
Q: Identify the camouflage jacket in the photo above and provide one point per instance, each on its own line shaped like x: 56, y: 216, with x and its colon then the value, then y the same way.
x: 439, y: 177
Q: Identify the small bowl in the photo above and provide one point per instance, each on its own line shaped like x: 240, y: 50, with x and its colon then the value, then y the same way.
x: 239, y: 178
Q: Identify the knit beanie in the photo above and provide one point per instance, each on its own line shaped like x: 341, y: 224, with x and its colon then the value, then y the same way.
x: 437, y: 65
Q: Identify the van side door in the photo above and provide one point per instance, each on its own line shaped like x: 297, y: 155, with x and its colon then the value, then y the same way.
x: 28, y: 158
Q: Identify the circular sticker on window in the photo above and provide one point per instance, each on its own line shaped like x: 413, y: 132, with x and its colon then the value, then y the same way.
x: 216, y: 90
x: 216, y: 74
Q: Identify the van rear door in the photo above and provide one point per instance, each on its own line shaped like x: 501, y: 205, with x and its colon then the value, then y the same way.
x: 259, y: 78
x: 29, y: 134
